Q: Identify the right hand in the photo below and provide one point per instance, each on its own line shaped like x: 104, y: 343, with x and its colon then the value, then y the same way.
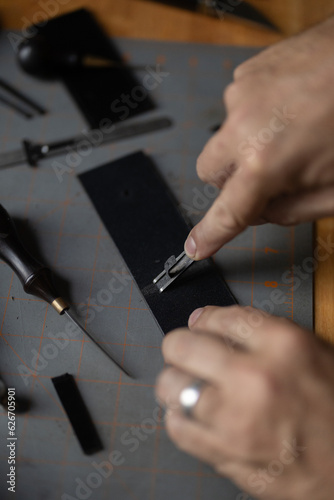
x: 273, y: 158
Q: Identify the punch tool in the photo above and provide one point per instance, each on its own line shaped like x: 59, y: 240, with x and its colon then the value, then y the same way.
x: 34, y: 276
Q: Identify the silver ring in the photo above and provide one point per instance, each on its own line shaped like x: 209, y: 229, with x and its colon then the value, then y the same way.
x: 189, y: 397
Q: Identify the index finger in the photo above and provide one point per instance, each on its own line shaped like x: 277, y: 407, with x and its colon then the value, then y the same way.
x: 200, y: 355
x: 241, y: 201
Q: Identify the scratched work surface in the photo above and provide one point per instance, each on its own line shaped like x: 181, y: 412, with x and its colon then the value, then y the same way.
x: 61, y: 223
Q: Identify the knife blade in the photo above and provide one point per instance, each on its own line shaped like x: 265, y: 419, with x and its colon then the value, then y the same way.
x: 218, y: 9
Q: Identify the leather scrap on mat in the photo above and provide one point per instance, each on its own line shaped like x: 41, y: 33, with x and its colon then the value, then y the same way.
x: 77, y: 413
x: 97, y: 91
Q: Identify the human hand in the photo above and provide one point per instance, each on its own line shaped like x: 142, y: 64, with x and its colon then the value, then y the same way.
x: 273, y: 158
x: 265, y: 414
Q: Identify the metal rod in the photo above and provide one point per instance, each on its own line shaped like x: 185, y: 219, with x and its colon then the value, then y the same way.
x: 19, y: 95
x: 117, y: 133
x: 16, y: 107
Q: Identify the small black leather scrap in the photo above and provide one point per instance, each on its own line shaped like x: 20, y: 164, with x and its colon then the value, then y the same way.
x: 97, y: 91
x: 77, y: 413
x: 142, y: 217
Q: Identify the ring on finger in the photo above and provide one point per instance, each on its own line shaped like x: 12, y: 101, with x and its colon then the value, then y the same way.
x: 189, y: 397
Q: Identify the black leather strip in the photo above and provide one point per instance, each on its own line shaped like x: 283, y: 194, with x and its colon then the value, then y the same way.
x: 77, y: 413
x: 142, y: 217
x: 113, y: 94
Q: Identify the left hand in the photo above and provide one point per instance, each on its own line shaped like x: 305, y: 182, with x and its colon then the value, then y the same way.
x: 265, y: 414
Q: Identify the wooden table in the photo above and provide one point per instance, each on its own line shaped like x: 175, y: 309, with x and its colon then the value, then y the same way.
x: 142, y: 19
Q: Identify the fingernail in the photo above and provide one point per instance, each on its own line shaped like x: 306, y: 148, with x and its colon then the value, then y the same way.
x: 190, y: 247
x: 195, y: 315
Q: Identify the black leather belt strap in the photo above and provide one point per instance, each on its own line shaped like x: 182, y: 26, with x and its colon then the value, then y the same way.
x: 142, y: 217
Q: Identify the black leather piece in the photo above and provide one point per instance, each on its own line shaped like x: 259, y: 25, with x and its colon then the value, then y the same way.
x: 77, y: 413
x: 94, y: 89
x: 142, y: 217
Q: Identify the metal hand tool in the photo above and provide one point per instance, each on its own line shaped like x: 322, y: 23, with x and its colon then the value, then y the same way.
x: 174, y: 267
x: 36, y: 57
x: 27, y: 108
x: 35, y: 277
x: 32, y: 152
x: 219, y: 8
x: 16, y: 107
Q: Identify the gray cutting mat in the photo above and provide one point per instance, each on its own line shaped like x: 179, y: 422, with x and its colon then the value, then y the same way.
x: 64, y: 228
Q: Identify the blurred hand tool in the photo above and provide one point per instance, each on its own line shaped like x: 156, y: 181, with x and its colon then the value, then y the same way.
x: 35, y: 277
x: 37, y: 57
x: 218, y: 9
x: 18, y: 101
x: 32, y: 152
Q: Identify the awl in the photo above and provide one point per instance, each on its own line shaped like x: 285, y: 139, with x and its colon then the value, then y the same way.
x: 34, y: 276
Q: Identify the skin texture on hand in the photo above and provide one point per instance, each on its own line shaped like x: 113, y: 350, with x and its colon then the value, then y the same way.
x: 266, y: 411
x: 273, y: 158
